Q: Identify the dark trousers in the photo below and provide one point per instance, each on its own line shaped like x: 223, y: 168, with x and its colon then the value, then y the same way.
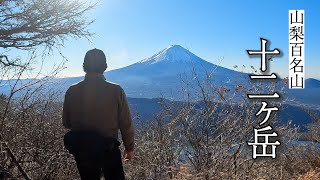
x: 94, y: 154
x: 111, y: 166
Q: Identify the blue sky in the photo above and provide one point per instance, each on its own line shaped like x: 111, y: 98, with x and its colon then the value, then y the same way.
x: 129, y: 31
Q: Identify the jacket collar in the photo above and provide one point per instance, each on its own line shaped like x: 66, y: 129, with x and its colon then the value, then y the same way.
x: 92, y: 76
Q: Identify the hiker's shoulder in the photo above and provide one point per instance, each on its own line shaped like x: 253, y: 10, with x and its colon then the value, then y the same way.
x: 75, y: 86
x: 113, y: 85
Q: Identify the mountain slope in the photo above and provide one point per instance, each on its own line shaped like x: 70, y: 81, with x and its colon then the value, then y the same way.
x: 164, y: 72
x: 312, y: 83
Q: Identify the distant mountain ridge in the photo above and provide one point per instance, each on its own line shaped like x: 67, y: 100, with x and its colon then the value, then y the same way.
x: 167, y: 72
x: 312, y: 83
x: 149, y: 108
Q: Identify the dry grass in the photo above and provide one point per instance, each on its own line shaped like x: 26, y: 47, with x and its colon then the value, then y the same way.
x: 310, y: 175
x: 191, y: 140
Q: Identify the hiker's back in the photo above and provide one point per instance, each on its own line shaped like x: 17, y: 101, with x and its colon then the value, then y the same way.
x: 94, y: 105
x: 95, y: 110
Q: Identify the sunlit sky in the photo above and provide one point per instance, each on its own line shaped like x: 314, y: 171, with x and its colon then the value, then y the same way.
x: 129, y: 31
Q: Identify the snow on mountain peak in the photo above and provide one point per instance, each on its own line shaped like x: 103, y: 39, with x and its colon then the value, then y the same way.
x: 173, y: 53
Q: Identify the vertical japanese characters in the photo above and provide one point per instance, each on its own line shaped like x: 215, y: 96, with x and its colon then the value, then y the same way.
x: 296, y: 49
x: 263, y: 145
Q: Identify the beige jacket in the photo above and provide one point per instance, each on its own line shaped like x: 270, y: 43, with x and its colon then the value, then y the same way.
x: 95, y: 104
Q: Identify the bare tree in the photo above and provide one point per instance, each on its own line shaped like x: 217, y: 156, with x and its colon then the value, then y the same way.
x: 36, y: 28
x: 28, y: 24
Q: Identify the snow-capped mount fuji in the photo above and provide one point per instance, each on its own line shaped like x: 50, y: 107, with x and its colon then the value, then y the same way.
x: 161, y: 73
x: 173, y: 53
x: 171, y: 60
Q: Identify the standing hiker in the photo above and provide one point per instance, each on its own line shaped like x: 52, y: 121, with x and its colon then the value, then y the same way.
x: 95, y: 110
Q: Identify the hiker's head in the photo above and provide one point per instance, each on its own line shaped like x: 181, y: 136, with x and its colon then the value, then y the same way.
x: 94, y: 61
